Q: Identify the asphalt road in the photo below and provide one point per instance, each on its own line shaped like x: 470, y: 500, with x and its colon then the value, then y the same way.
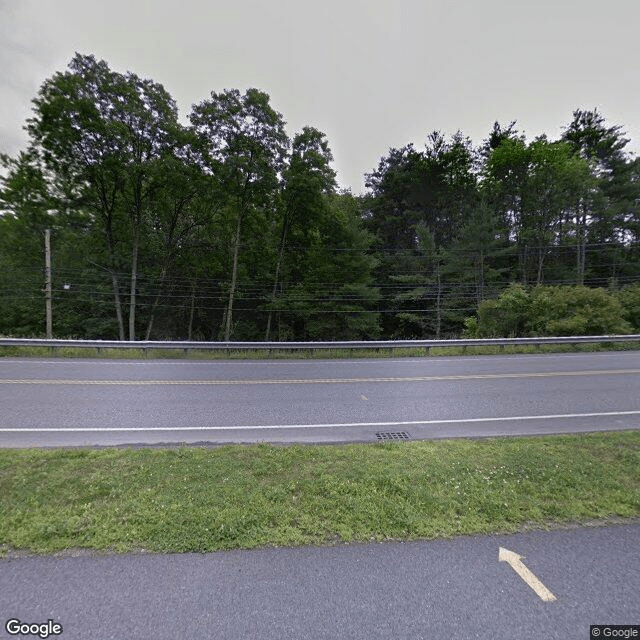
x: 107, y: 402
x: 427, y: 590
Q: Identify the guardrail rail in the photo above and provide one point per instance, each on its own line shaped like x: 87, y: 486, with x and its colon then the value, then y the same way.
x: 186, y: 346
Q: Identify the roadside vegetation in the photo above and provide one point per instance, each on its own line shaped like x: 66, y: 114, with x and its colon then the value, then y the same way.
x: 557, y: 311
x: 282, y: 354
x: 223, y: 225
x: 207, y: 499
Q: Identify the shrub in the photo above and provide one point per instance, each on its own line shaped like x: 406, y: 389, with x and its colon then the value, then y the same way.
x: 553, y: 311
x: 629, y: 297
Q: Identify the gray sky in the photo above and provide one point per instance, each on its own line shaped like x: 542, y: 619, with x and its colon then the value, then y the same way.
x: 371, y: 74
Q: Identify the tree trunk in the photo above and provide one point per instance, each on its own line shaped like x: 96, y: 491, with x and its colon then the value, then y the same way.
x: 275, y: 281
x: 523, y: 254
x: 580, y: 245
x: 438, y: 310
x: 541, y: 252
x: 47, y: 286
x: 191, y: 310
x: 234, y: 276
x: 118, y: 304
x: 114, y: 280
x: 134, y: 278
x: 155, y: 302
x: 480, y: 279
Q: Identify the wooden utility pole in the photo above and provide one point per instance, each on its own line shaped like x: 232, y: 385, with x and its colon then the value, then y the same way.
x: 47, y: 263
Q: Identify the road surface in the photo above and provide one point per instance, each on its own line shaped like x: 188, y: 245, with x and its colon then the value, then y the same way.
x: 109, y: 402
x: 425, y: 590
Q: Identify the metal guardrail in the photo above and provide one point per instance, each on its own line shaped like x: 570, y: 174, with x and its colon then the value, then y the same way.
x: 146, y: 345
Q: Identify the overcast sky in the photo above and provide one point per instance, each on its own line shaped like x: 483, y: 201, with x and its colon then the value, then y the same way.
x: 371, y: 74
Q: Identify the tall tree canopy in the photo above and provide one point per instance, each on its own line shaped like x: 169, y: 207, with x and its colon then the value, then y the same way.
x: 244, y: 145
x: 227, y: 229
x: 105, y: 136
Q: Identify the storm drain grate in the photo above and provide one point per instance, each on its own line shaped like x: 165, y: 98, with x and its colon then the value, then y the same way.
x: 392, y: 435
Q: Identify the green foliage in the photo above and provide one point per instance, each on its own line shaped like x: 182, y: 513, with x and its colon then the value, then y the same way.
x: 506, y: 317
x: 550, y: 311
x: 537, y: 190
x: 575, y: 311
x: 207, y: 499
x: 421, y: 202
x: 333, y: 297
x: 105, y: 139
x: 629, y: 298
x: 242, y: 145
x: 228, y: 229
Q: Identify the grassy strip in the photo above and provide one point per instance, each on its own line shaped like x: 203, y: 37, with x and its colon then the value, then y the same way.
x: 261, y: 354
x: 199, y: 499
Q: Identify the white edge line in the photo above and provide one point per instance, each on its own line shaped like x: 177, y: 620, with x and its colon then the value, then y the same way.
x: 321, y: 426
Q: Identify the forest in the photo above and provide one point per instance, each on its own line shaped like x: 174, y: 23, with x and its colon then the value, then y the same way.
x: 226, y: 228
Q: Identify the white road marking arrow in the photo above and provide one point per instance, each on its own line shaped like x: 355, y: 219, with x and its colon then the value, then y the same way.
x: 513, y: 559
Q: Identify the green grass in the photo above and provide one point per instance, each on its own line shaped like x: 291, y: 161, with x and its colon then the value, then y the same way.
x: 261, y: 354
x: 203, y: 499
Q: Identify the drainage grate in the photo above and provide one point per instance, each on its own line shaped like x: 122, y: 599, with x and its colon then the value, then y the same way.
x: 392, y: 435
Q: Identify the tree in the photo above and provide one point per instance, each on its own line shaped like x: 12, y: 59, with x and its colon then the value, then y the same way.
x: 30, y: 202
x: 307, y: 181
x: 497, y: 136
x: 422, y: 289
x: 391, y: 217
x: 415, y: 196
x: 179, y: 209
x: 535, y: 188
x: 478, y: 260
x: 328, y: 292
x: 101, y: 132
x: 243, y: 146
x: 24, y: 215
x: 610, y: 215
